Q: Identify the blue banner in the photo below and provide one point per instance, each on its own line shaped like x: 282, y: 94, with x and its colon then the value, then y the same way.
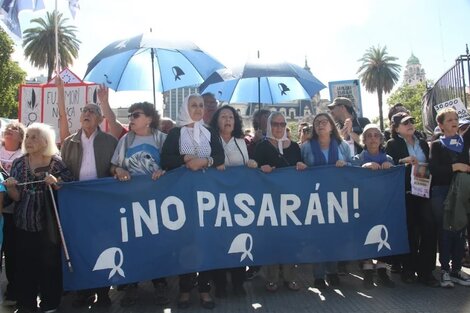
x: 121, y: 232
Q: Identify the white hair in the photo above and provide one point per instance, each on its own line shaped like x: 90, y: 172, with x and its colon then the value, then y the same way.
x: 47, y: 133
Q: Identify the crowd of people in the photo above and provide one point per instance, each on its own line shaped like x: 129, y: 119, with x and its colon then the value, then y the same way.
x: 208, y: 136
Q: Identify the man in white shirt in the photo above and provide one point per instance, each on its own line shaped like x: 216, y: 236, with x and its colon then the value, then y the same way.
x: 87, y: 154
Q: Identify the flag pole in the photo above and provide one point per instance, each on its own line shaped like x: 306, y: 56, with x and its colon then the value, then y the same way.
x: 56, y: 32
x: 152, y: 56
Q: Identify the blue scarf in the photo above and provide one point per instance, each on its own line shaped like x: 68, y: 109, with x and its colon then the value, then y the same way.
x: 379, y: 158
x: 319, y: 157
x: 454, y: 143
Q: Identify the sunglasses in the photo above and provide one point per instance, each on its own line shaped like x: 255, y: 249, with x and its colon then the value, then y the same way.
x: 135, y: 115
x: 407, y: 122
x: 276, y: 124
x: 373, y: 135
x: 88, y: 110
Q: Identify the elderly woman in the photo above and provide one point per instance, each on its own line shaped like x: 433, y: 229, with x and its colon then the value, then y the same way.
x: 10, y: 150
x: 278, y: 151
x: 192, y: 145
x: 405, y: 148
x: 325, y: 147
x: 138, y: 152
x: 448, y: 159
x: 373, y: 157
x: 36, y: 232
x: 227, y: 122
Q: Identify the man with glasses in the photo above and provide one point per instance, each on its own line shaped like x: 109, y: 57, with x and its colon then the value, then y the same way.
x: 210, y: 106
x: 348, y: 123
x: 87, y: 154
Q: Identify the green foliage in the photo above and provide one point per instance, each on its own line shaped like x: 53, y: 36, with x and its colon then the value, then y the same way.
x: 378, y: 73
x: 410, y: 97
x: 294, y: 131
x: 11, y: 76
x: 39, y: 43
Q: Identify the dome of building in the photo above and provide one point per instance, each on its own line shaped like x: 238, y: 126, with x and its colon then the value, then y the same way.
x: 412, y: 60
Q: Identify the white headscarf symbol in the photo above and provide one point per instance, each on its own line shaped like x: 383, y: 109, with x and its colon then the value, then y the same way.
x: 185, y: 119
x: 269, y: 131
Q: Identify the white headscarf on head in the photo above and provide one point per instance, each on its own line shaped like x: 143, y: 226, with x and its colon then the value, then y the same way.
x: 269, y: 131
x: 185, y: 119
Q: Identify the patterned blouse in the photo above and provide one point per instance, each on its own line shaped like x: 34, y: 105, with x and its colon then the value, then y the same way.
x: 31, y: 210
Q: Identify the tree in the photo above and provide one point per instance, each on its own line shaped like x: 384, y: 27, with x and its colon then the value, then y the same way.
x: 39, y: 43
x: 410, y: 97
x: 11, y: 76
x: 378, y: 73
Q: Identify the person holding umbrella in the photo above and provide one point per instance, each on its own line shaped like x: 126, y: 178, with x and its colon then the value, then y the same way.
x: 275, y: 152
x: 196, y: 147
x: 39, y: 268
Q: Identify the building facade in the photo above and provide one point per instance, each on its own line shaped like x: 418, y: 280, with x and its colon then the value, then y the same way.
x: 414, y: 73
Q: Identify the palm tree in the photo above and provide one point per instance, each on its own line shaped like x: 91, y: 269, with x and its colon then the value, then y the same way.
x: 378, y: 73
x: 39, y: 42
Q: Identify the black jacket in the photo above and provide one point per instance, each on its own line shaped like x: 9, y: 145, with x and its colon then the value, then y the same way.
x: 397, y: 149
x: 441, y: 160
x: 171, y: 157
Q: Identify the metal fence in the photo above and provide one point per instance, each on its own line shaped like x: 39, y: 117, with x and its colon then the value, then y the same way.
x: 453, y: 84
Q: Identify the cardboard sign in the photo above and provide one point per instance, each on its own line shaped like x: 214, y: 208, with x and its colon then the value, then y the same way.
x: 456, y: 104
x: 38, y: 102
x: 350, y: 89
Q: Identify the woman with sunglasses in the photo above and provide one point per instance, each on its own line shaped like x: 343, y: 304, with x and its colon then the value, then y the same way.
x: 11, y: 144
x: 138, y: 153
x: 10, y: 150
x: 278, y: 151
x: 405, y: 148
x: 326, y: 147
x: 195, y: 147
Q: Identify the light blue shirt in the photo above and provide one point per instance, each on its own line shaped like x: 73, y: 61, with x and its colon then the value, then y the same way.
x: 415, y: 150
x: 344, y: 153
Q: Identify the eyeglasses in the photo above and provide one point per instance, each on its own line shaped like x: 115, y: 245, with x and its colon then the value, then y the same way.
x: 412, y: 121
x: 373, y: 135
x: 135, y: 115
x: 276, y: 124
x: 321, y: 122
x: 88, y: 110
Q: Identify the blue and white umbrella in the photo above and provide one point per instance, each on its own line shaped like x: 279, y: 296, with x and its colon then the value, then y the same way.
x: 147, y: 63
x: 259, y: 82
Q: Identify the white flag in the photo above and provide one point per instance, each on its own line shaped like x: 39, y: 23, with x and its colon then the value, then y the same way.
x: 74, y: 7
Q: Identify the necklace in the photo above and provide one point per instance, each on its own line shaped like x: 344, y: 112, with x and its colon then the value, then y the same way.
x: 227, y: 153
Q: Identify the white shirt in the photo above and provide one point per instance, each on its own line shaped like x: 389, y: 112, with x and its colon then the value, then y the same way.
x: 7, y: 157
x: 88, y: 167
x: 235, y: 151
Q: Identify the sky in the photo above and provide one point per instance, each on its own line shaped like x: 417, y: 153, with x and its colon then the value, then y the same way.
x: 333, y: 35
